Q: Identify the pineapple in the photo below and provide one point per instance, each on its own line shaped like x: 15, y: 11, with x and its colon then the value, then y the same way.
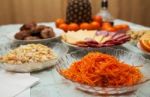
x: 78, y: 11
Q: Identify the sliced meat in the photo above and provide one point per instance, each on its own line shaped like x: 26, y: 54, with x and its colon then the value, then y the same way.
x: 119, y: 35
x: 124, y: 38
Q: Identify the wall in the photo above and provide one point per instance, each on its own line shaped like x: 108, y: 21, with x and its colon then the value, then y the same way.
x: 22, y: 11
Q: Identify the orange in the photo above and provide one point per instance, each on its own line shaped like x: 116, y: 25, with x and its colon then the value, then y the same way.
x: 125, y: 27
x: 59, y: 21
x: 111, y: 29
x: 64, y: 27
x: 118, y: 27
x: 97, y: 19
x: 122, y: 27
x: 95, y: 25
x: 145, y: 45
x: 73, y: 27
x: 149, y: 42
x: 86, y: 26
x: 106, y: 25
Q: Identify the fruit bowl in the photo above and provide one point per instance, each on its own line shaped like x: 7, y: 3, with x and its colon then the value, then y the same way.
x: 127, y: 57
x: 57, y: 48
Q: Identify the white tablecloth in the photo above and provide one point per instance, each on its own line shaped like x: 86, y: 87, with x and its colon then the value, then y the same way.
x: 52, y: 77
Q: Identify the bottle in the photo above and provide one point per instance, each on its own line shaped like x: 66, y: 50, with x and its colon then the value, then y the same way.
x: 104, y: 12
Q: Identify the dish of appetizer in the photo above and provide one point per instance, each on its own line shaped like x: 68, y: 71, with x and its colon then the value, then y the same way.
x: 32, y: 33
x: 85, y: 38
x: 141, y: 40
x: 30, y: 57
x: 144, y: 43
x: 136, y: 35
x: 104, y: 70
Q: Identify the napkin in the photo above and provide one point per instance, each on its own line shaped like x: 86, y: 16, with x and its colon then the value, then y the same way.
x: 12, y: 84
x: 25, y: 93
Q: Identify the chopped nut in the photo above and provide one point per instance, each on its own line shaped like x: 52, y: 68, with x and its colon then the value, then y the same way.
x: 28, y: 53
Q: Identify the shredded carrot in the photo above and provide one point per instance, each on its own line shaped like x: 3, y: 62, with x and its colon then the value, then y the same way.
x: 98, y: 69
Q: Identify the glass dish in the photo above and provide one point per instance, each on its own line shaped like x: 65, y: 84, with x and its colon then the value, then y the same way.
x: 58, y: 49
x: 122, y: 55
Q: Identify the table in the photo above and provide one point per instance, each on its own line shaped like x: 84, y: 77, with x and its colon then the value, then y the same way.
x: 53, y: 85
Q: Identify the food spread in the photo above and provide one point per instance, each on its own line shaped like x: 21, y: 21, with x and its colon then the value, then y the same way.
x: 98, y: 69
x: 31, y: 53
x: 83, y: 30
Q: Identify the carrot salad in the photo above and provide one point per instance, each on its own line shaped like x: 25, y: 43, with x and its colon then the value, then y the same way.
x: 98, y: 69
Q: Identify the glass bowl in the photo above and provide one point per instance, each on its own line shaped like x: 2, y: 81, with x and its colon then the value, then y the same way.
x: 58, y: 48
x: 122, y: 55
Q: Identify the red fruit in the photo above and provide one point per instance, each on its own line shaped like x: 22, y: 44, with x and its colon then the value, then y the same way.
x: 85, y: 26
x: 97, y: 19
x: 59, y: 21
x: 64, y: 27
x: 95, y: 25
x: 73, y: 27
